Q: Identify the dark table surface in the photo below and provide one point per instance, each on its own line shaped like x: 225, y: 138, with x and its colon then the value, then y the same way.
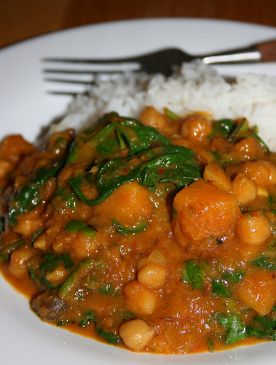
x: 22, y: 19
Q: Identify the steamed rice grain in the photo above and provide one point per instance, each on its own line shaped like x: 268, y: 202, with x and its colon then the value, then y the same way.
x: 196, y: 87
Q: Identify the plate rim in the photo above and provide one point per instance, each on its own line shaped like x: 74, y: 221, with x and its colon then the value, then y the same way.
x: 134, y: 20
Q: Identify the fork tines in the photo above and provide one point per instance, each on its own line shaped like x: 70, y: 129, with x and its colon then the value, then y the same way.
x: 82, y: 72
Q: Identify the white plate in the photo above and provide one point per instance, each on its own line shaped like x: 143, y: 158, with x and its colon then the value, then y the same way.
x: 25, y: 107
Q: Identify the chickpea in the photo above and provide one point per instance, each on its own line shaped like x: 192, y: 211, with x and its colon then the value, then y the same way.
x: 41, y: 243
x: 28, y: 223
x: 84, y: 245
x: 262, y: 173
x: 215, y: 174
x: 181, y: 141
x: 140, y: 299
x: 253, y: 229
x: 150, y: 116
x: 262, y: 192
x: 57, y: 276
x: 152, y: 275
x: 244, y: 189
x: 136, y: 334
x: 18, y: 260
x: 14, y: 146
x: 248, y: 148
x: 154, y: 257
x: 196, y: 128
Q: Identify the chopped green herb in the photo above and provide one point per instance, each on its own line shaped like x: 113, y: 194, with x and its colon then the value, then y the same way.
x: 127, y: 315
x: 219, y: 288
x: 108, y: 289
x: 235, y: 328
x: 262, y: 327
x: 109, y: 337
x: 265, y: 262
x: 222, y: 285
x: 88, y: 318
x: 64, y: 322
x: 233, y: 276
x: 211, y: 344
x: 193, y: 274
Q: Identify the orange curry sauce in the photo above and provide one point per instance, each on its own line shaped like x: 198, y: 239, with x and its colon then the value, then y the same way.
x: 160, y: 263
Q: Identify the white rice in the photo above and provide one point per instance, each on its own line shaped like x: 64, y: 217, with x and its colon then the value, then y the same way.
x: 196, y: 88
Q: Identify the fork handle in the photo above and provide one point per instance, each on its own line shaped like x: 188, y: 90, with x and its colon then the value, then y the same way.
x: 260, y: 52
x: 267, y: 51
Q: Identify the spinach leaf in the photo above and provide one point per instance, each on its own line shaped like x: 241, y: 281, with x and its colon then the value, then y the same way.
x: 67, y: 196
x: 261, y: 141
x: 36, y: 234
x: 234, y: 131
x: 75, y: 226
x: 171, y: 115
x: 29, y: 196
x: 234, y: 326
x: 39, y: 267
x: 51, y: 261
x: 115, y: 133
x: 7, y: 250
x: 139, y: 136
x: 222, y: 128
x: 129, y: 230
x: 264, y: 262
x: 2, y: 224
x: 193, y: 274
x: 163, y: 164
x: 240, y: 131
x: 85, y: 268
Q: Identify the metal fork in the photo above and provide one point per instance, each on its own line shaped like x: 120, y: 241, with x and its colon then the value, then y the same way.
x: 161, y: 61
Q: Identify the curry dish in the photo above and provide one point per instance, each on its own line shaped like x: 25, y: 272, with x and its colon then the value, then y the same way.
x: 158, y: 235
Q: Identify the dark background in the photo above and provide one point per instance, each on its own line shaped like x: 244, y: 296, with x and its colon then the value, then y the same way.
x: 21, y: 19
